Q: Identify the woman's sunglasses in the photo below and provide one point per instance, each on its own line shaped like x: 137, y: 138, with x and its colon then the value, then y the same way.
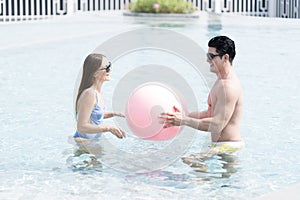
x: 107, y: 68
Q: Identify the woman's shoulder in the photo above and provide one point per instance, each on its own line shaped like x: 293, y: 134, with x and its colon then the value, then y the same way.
x: 88, y: 93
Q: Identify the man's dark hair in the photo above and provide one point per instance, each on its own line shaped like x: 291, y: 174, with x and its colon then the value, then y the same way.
x: 223, y: 45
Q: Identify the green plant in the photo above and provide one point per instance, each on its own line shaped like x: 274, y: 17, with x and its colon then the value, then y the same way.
x: 161, y: 6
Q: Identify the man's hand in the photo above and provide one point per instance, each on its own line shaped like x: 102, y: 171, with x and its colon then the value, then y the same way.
x: 172, y: 119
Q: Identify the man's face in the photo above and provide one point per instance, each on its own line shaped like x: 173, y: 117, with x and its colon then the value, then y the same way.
x: 214, y: 60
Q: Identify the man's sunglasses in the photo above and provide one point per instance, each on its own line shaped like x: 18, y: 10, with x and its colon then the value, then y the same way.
x: 211, y: 56
x: 107, y: 68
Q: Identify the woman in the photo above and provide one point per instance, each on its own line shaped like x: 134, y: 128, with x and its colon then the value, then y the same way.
x: 90, y: 108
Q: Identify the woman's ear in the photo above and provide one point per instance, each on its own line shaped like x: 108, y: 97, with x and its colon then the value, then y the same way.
x: 96, y: 73
x: 94, y: 76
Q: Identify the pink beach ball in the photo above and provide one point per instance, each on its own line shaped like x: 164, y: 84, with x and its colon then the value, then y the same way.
x: 144, y: 106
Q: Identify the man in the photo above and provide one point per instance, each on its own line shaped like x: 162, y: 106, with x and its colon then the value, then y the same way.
x: 225, y: 101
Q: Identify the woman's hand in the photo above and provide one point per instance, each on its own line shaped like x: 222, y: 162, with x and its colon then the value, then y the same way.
x: 117, y: 131
x: 118, y: 114
x: 113, y: 114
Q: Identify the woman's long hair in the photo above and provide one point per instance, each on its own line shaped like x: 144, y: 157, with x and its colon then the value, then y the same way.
x: 91, y: 64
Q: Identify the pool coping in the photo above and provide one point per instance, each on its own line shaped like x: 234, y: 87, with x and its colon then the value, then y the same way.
x: 163, y: 15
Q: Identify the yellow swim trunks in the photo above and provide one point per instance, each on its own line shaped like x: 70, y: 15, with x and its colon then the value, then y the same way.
x: 227, y: 147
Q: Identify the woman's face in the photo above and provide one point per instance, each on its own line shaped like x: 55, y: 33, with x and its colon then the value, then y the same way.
x: 103, y: 73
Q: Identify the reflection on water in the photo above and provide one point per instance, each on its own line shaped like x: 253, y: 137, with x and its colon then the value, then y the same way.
x: 214, y: 25
x: 84, y: 162
x: 217, y: 165
x: 168, y: 25
x: 32, y: 166
x: 85, y: 157
x: 163, y: 178
x: 163, y: 22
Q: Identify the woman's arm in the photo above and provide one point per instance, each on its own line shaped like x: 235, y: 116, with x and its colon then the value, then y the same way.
x: 86, y: 104
x: 113, y: 114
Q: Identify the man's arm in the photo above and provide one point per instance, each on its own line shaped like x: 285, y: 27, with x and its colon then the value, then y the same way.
x: 198, y: 115
x: 223, y: 108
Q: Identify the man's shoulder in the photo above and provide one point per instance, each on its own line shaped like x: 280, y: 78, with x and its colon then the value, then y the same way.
x: 229, y: 88
x: 222, y: 84
x: 228, y: 83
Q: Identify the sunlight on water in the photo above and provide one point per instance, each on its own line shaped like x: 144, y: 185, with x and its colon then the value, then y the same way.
x: 38, y: 72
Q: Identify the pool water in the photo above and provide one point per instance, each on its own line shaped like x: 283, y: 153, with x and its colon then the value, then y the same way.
x: 39, y: 66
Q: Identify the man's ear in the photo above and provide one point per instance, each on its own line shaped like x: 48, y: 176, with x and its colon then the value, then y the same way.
x: 226, y: 56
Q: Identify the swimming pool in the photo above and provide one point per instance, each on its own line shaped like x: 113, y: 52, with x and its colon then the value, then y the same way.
x: 39, y: 65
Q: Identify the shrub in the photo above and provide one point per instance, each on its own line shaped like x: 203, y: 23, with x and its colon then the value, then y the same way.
x: 161, y: 6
